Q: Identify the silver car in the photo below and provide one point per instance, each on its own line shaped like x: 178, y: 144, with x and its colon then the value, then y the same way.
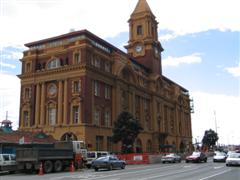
x: 171, y: 158
x: 233, y: 159
x: 108, y: 162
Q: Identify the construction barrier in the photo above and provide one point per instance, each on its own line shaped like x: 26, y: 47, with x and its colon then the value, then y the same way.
x: 135, y: 158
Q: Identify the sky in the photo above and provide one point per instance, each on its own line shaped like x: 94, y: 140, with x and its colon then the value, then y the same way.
x: 201, y: 41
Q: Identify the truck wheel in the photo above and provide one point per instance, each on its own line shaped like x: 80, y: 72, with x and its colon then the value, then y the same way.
x: 58, y: 166
x: 48, y: 166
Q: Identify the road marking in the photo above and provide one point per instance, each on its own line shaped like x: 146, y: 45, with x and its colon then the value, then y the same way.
x: 216, y: 174
x: 218, y: 167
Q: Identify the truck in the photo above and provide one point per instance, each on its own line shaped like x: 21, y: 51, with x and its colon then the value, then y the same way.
x: 53, y: 157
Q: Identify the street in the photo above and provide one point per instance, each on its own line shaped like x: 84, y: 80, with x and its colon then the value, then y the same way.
x: 178, y: 171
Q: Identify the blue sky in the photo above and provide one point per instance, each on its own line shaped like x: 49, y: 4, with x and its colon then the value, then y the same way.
x: 201, y: 41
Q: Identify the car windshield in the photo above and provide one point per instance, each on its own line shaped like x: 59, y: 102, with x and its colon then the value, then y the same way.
x: 220, y: 154
x: 103, y: 158
x: 91, y: 154
x: 196, y: 154
x: 234, y: 155
x: 170, y: 155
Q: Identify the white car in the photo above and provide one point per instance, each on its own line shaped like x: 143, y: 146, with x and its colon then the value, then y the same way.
x: 220, y: 157
x: 233, y: 159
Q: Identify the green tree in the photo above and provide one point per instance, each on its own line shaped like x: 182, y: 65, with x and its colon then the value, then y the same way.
x: 210, y: 138
x: 126, y: 129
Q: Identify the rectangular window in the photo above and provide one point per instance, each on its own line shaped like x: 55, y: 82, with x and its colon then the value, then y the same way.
x: 96, y: 88
x: 27, y: 93
x: 26, y: 118
x: 97, y: 62
x: 97, y: 117
x: 52, y: 116
x: 76, y: 114
x: 107, y: 92
x: 109, y: 144
x: 77, y: 58
x: 76, y: 86
x: 139, y: 30
x: 107, y: 118
x: 107, y: 67
x: 99, y: 143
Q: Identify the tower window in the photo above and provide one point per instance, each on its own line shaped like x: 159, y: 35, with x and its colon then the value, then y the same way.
x: 139, y: 30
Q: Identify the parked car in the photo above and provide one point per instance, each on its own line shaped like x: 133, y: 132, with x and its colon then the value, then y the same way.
x: 220, y: 157
x: 233, y: 159
x: 196, y: 157
x: 8, y: 162
x: 92, y: 155
x: 171, y: 158
x: 108, y: 162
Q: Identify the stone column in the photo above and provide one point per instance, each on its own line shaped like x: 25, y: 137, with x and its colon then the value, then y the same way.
x: 60, y: 94
x: 42, y: 106
x: 37, y: 106
x: 65, y: 103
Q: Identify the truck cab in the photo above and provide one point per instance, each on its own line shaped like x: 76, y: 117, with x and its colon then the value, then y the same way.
x: 8, y: 162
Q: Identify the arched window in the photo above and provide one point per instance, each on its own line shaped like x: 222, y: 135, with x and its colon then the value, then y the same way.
x: 69, y: 136
x: 54, y: 63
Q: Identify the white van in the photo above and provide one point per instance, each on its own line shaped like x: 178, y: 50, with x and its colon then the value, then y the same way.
x: 8, y: 162
x: 92, y: 155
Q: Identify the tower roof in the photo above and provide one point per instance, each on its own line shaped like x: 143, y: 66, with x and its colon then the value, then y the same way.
x: 142, y: 6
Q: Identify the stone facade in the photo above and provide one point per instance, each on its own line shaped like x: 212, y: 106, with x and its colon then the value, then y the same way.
x: 74, y: 86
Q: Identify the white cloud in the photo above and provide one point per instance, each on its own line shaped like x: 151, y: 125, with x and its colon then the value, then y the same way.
x: 227, y: 116
x: 177, y: 61
x: 23, y: 21
x: 2, y: 64
x: 235, y: 71
x: 9, y: 97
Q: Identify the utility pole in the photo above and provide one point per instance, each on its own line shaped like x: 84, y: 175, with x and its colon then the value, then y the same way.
x: 215, y: 124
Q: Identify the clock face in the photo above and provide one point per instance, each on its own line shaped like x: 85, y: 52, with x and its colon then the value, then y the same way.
x: 138, y: 48
x: 52, y: 90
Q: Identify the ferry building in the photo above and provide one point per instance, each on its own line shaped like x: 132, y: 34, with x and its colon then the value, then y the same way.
x: 73, y: 87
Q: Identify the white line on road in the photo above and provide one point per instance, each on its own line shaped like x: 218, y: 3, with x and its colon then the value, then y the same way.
x: 216, y: 174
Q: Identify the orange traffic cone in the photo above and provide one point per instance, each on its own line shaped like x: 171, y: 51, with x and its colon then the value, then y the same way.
x: 72, y: 169
x: 40, y: 173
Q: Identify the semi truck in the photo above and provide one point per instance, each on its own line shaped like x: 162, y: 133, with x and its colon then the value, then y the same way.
x: 53, y: 157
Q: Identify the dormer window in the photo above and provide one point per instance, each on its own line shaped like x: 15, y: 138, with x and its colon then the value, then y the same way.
x: 139, y: 30
x: 54, y: 63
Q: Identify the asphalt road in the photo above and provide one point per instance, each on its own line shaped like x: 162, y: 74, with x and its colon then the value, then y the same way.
x: 178, y: 171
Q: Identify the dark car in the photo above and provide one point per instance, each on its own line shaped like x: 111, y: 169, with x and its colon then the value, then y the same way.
x: 108, y: 162
x: 171, y: 158
x: 196, y: 157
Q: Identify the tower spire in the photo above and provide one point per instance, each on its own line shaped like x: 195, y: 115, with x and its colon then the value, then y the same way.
x: 142, y: 6
x: 143, y: 42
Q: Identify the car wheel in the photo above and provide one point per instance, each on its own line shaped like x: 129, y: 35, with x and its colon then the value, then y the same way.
x: 187, y: 161
x: 163, y: 162
x: 205, y: 160
x: 96, y: 169
x: 123, y: 166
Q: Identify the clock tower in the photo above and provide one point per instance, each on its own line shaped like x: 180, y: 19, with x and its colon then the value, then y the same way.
x: 143, y: 42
